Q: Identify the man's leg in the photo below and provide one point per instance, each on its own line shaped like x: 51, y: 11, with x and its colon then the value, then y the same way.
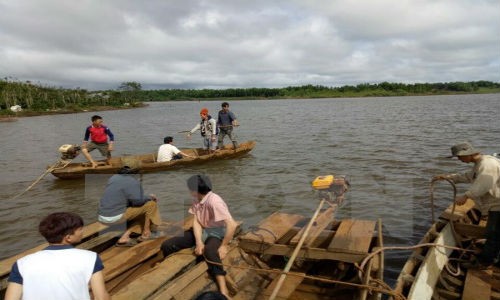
x: 141, y: 217
x: 492, y: 245
x: 86, y: 152
x: 220, y: 142
x: 232, y: 138
x: 177, y: 243
x: 211, y: 253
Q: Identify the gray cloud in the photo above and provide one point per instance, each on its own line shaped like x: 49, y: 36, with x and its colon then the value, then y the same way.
x: 196, y: 43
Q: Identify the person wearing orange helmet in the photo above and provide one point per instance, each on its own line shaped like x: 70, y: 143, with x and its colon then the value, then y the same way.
x: 208, y: 130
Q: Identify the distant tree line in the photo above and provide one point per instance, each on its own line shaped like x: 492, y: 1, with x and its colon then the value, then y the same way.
x: 41, y: 98
x: 320, y: 91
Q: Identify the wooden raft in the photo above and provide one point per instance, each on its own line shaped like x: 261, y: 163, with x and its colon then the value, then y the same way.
x: 278, y: 235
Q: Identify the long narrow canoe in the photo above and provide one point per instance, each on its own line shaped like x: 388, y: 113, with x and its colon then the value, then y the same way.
x: 147, y: 162
x: 431, y: 273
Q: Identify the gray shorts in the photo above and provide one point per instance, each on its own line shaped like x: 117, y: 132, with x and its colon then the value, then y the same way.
x: 102, y: 147
x: 208, y: 143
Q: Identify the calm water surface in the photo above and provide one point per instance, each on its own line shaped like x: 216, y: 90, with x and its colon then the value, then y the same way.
x: 389, y: 148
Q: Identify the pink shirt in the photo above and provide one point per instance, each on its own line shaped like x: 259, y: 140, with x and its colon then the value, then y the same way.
x: 211, y: 211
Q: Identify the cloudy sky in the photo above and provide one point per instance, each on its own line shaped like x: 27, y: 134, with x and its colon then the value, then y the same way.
x: 229, y: 43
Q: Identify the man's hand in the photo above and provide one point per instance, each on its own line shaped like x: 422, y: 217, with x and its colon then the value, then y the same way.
x: 153, y: 197
x: 199, y: 248
x: 214, y: 138
x: 460, y: 200
x: 236, y: 123
x: 188, y: 136
x: 110, y: 147
x: 222, y: 251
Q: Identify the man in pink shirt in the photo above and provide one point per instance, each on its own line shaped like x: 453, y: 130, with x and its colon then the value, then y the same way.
x: 213, y: 228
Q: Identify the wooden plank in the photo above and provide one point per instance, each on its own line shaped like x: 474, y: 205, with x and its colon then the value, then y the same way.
x: 476, y: 288
x: 460, y: 211
x: 7, y: 263
x: 307, y: 253
x: 292, y: 281
x: 151, y: 281
x: 101, y: 241
x: 176, y: 286
x: 428, y: 273
x: 322, y: 221
x: 353, y: 235
x: 272, y: 228
x: 470, y: 230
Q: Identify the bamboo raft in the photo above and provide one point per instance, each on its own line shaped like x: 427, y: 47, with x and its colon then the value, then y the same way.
x: 432, y: 273
x: 147, y: 162
x: 324, y: 268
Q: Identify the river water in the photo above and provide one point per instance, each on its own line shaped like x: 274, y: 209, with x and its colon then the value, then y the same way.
x: 389, y: 148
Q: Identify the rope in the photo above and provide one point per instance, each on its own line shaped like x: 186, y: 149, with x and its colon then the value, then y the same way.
x: 56, y: 166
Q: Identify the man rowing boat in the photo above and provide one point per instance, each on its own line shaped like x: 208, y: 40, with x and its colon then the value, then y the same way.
x: 208, y: 130
x: 226, y: 121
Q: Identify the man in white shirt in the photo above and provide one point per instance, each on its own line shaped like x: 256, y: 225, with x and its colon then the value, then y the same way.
x: 168, y: 151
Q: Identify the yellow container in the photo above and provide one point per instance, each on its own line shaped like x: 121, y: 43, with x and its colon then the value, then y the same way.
x: 323, y: 182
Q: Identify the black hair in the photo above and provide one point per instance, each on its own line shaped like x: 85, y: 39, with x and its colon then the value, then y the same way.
x: 95, y: 117
x: 168, y: 139
x: 128, y: 170
x: 211, y: 296
x: 56, y: 226
x: 224, y: 104
x: 200, y: 184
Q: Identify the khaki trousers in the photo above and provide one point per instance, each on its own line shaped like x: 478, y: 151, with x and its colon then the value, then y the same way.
x: 136, y: 216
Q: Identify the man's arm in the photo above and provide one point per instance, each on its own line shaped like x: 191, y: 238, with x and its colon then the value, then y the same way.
x: 186, y: 155
x: 134, y: 192
x: 98, y: 287
x: 111, y: 139
x: 14, y: 291
x: 86, y: 136
x: 214, y: 126
x: 198, y: 231
x: 230, y: 229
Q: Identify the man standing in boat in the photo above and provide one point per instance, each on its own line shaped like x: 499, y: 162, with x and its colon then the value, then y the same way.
x: 59, y: 271
x: 213, y: 229
x: 226, y: 121
x: 485, y: 191
x: 124, y: 201
x: 208, y: 129
x: 98, y: 134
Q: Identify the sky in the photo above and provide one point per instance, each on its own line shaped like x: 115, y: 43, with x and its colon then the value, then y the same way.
x: 95, y: 44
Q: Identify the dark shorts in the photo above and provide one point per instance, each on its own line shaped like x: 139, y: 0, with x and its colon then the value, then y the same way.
x: 102, y: 147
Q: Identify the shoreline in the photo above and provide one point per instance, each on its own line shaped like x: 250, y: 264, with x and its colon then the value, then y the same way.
x: 31, y: 113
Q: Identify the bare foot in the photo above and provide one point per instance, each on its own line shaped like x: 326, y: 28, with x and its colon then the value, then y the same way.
x: 94, y: 165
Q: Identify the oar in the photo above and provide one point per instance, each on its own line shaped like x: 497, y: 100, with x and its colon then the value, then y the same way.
x: 296, y: 252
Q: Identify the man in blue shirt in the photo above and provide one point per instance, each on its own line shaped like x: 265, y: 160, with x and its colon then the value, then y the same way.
x: 226, y: 122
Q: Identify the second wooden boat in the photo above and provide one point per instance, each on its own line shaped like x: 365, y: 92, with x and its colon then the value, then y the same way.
x: 147, y: 162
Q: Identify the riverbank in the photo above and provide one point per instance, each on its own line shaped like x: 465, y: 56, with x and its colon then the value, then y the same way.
x: 6, y: 115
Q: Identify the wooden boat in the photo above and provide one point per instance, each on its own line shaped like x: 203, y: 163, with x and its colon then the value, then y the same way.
x: 325, y: 266
x: 435, y: 273
x: 147, y: 162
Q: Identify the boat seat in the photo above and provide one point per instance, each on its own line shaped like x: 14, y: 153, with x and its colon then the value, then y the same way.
x: 353, y: 236
x: 477, y: 286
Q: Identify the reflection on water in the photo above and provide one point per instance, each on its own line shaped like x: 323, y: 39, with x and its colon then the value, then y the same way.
x: 389, y: 147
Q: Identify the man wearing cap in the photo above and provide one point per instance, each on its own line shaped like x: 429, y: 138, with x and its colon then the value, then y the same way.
x: 485, y: 191
x: 208, y: 129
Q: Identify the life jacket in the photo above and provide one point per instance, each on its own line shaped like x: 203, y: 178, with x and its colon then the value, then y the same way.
x: 203, y: 128
x: 98, y: 134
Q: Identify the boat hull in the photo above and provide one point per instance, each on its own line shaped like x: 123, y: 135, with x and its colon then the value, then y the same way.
x: 147, y: 162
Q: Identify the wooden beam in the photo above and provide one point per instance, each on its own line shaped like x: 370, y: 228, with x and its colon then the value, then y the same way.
x: 307, y: 253
x: 288, y: 287
x: 470, y: 230
x: 353, y: 235
x: 460, y: 211
x: 476, y: 288
x: 272, y: 228
x: 321, y: 223
x: 153, y: 280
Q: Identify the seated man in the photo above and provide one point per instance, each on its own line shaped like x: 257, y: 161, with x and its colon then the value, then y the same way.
x: 59, y: 271
x: 168, y: 151
x: 213, y: 228
x: 125, y: 201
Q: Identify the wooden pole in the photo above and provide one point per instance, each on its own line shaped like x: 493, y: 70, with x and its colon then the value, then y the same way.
x: 295, y: 252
